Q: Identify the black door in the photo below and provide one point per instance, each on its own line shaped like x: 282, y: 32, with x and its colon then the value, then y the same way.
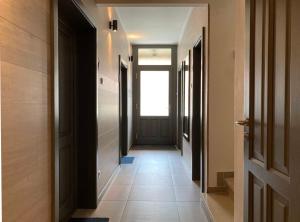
x: 179, y: 110
x: 123, y: 109
x: 67, y: 172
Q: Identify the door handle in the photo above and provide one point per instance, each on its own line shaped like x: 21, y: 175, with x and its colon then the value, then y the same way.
x: 243, y: 122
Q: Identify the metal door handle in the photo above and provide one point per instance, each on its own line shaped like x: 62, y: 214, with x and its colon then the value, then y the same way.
x: 243, y: 122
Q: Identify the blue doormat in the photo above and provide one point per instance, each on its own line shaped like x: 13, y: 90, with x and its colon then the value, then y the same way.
x: 127, y: 160
x: 89, y: 220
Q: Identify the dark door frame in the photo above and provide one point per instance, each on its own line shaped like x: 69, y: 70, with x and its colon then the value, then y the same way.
x: 123, y: 108
x: 55, y: 101
x: 198, y: 116
x: 179, y: 108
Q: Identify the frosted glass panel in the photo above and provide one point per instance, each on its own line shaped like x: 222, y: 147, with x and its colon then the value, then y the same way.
x: 154, y: 93
x: 154, y: 56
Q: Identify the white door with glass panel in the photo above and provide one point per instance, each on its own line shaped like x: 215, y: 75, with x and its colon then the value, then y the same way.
x: 154, y: 114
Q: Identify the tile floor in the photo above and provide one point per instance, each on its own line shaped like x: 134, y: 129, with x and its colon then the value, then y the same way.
x: 156, y: 188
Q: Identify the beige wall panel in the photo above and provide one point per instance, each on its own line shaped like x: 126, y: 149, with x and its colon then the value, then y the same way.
x: 25, y: 107
x: 110, y: 46
x: 21, y: 48
x: 32, y: 16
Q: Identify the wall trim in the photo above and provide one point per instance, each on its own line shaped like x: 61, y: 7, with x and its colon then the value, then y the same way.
x: 109, y: 183
x: 206, y: 210
x: 216, y: 189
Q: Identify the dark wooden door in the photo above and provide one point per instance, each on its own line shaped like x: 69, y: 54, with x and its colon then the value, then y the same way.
x: 179, y: 109
x: 123, y: 109
x: 66, y: 122
x: 198, y: 111
x: 272, y: 105
x: 155, y: 127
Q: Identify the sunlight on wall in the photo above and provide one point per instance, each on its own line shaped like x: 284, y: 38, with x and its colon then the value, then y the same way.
x: 133, y: 36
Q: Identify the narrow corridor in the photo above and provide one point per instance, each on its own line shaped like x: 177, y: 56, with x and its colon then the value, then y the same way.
x: 155, y: 188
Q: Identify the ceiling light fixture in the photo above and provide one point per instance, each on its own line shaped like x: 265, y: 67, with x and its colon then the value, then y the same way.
x: 113, y: 25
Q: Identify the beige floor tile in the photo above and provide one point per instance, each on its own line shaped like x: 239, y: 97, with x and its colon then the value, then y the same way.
x: 128, y: 170
x: 110, y: 209
x: 154, y: 169
x: 150, y: 212
x: 187, y: 193
x: 124, y: 179
x: 183, y: 180
x: 153, y: 179
x: 152, y: 193
x: 117, y: 192
x: 191, y: 212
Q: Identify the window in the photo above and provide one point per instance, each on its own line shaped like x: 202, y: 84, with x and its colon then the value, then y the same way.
x: 154, y: 93
x: 154, y: 56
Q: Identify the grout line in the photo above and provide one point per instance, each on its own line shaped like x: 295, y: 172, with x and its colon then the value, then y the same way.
x: 131, y: 188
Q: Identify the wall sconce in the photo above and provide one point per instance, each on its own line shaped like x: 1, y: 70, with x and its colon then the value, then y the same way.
x: 113, y: 25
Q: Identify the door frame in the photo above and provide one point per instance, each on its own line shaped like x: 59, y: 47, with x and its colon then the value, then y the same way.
x: 55, y: 96
x: 123, y: 134
x: 198, y: 111
x: 135, y: 85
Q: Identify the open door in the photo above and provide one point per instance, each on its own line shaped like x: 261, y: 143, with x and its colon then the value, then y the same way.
x: 272, y: 111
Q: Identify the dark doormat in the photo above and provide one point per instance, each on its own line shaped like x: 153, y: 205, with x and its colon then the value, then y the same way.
x: 127, y: 160
x: 89, y: 220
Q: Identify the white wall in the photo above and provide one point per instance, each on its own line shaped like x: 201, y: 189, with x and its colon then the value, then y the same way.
x: 239, y: 110
x: 221, y: 43
x: 193, y: 31
x: 221, y: 88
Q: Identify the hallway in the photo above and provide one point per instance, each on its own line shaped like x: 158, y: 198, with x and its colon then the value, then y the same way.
x: 155, y: 188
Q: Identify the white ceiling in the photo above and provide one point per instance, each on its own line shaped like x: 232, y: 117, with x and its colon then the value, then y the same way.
x: 154, y: 25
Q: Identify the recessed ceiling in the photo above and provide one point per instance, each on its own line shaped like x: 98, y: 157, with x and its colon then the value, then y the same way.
x: 153, y: 25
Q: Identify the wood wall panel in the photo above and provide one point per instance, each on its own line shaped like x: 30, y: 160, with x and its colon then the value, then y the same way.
x: 32, y: 16
x: 25, y: 95
x: 22, y: 48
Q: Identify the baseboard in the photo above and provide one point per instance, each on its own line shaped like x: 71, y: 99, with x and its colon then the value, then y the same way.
x: 108, y: 184
x: 216, y: 189
x: 206, y: 210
